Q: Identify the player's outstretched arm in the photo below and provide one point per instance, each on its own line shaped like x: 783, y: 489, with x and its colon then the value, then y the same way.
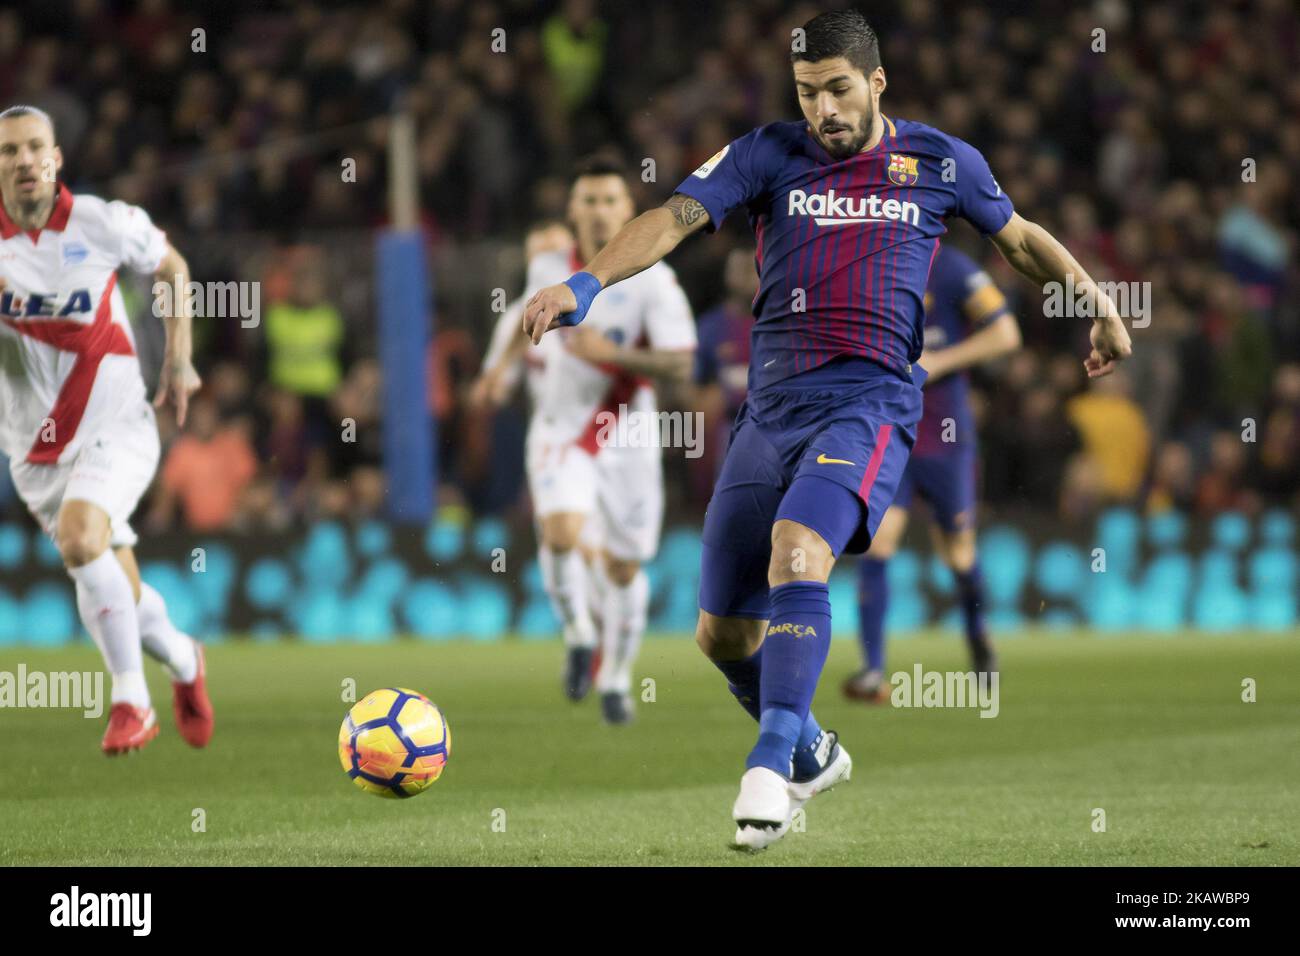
x: 998, y: 338
x: 636, y: 247
x: 1035, y: 254
x: 177, y: 379
x: 501, y: 365
x: 666, y: 365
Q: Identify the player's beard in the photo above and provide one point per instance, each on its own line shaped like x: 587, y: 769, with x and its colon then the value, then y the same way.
x: 27, y: 213
x: 853, y: 145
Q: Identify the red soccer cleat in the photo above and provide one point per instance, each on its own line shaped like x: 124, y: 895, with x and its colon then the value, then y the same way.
x: 129, y: 728
x: 191, y: 706
x: 866, y: 688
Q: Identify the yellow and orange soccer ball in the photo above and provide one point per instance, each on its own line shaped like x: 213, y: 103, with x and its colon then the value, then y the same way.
x: 394, y: 742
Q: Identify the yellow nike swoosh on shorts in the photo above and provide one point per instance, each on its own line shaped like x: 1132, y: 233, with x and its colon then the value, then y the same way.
x: 823, y: 460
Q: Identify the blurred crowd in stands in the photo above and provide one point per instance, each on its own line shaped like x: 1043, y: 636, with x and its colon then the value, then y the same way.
x: 1160, y: 141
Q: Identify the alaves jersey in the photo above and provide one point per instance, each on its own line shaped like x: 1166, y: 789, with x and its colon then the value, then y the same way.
x: 67, y: 355
x: 573, y: 396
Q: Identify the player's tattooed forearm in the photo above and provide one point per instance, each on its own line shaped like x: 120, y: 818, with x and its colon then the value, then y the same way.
x: 685, y: 210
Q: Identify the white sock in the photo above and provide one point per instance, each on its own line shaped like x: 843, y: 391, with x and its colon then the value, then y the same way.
x: 565, y: 578
x: 608, y: 631
x: 175, y: 650
x: 107, y: 609
x: 597, y: 584
x: 626, y: 608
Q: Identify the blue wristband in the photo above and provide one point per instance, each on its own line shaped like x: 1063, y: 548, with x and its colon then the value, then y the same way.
x: 585, y: 286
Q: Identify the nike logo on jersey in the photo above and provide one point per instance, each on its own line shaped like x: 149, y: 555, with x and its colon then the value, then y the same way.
x: 823, y: 460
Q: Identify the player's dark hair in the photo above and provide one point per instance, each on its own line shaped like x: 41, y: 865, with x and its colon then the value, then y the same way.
x: 542, y: 225
x: 20, y: 109
x: 600, y: 164
x: 843, y: 33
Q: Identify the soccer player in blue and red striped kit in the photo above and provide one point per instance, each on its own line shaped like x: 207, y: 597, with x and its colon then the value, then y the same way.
x: 847, y: 207
x: 967, y: 323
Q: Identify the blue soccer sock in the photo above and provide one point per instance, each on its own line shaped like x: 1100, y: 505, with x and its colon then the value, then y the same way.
x: 873, y: 601
x: 743, y: 680
x: 970, y: 594
x: 806, y: 764
x: 794, y: 652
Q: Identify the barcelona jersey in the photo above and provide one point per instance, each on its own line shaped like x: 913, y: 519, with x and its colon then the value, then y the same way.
x: 960, y: 298
x: 844, y: 247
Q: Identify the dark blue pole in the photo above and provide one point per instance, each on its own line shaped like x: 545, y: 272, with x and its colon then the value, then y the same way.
x: 405, y: 325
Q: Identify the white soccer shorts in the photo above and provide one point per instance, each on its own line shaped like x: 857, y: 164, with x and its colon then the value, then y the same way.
x: 112, y: 470
x: 620, y: 489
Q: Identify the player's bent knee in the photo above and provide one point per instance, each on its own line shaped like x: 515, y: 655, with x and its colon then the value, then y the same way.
x: 83, y: 533
x: 959, y: 551
x: 561, y: 532
x: 888, y: 535
x: 620, y: 571
x: 882, y: 549
x: 798, y: 554
x: 78, y: 550
x: 728, y: 638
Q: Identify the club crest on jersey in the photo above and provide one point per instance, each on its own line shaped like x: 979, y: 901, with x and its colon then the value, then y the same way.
x: 902, y: 170
x: 74, y: 252
x: 710, y: 164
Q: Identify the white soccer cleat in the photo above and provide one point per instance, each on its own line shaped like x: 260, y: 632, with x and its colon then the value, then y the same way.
x: 762, y: 811
x: 837, y: 766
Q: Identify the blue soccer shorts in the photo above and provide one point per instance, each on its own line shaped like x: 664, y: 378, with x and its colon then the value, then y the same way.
x: 945, y: 482
x: 826, y: 455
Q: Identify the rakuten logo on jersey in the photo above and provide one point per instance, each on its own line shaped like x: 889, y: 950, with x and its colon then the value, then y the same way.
x: 832, y: 210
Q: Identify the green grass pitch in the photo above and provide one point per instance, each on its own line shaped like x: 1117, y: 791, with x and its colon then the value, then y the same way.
x: 1152, y: 731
